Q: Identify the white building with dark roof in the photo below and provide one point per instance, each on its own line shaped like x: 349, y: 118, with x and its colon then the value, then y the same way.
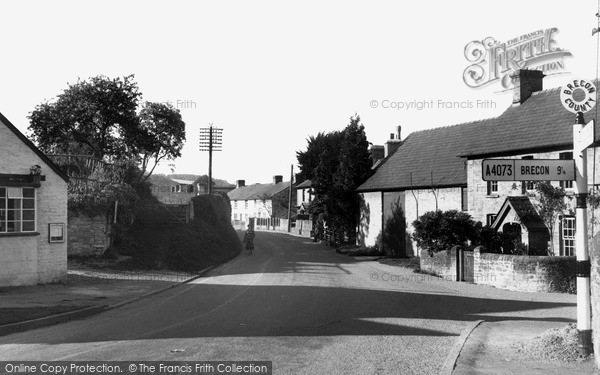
x: 33, y: 212
x: 251, y: 203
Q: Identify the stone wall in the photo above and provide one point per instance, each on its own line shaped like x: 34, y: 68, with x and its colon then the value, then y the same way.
x: 88, y: 236
x: 442, y: 263
x: 525, y: 273
x: 512, y: 272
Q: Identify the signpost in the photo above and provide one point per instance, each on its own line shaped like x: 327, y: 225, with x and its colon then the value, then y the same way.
x: 528, y: 170
x: 579, y: 96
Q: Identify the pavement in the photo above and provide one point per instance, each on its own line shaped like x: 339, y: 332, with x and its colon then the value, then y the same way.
x: 484, y: 347
x: 487, y: 349
x: 83, y: 293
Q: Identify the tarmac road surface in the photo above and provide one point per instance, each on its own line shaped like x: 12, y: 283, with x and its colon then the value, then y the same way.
x: 300, y: 305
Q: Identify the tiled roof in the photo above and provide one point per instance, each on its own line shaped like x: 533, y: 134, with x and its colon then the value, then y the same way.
x: 430, y: 156
x: 540, y: 122
x: 435, y: 157
x: 304, y: 184
x: 524, y: 210
x: 257, y: 191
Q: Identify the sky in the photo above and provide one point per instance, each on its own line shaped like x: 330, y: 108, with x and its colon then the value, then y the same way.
x: 273, y: 73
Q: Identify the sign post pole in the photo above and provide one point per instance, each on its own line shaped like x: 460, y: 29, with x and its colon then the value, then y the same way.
x: 579, y: 96
x: 584, y: 316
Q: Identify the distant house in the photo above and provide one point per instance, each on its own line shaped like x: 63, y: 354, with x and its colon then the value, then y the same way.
x: 259, y: 203
x: 304, y: 196
x: 172, y: 191
x: 33, y: 212
x: 219, y: 186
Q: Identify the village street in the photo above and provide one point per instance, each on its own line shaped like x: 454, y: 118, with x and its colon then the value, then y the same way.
x: 299, y: 304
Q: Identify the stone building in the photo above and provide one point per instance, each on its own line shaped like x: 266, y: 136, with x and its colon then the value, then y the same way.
x: 33, y: 212
x: 441, y: 168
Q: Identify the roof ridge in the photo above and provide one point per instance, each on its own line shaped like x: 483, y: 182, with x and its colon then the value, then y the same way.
x: 453, y: 125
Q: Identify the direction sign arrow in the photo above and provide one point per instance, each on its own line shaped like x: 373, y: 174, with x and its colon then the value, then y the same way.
x: 585, y: 139
x: 528, y: 170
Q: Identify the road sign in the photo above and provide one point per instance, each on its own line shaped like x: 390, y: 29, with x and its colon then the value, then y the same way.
x: 585, y: 139
x: 528, y: 170
x: 578, y: 95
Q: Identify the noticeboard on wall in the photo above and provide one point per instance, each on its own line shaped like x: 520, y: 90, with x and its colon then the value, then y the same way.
x: 56, y: 232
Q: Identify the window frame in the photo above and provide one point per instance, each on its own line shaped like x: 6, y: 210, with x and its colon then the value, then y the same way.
x: 5, y: 198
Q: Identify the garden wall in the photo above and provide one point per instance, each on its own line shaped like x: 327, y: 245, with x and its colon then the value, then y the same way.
x: 442, y: 263
x: 87, y: 236
x: 512, y: 272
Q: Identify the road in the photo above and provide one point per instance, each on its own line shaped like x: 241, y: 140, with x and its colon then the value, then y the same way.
x: 300, y: 305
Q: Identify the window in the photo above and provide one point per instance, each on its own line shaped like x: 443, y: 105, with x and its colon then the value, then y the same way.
x: 246, y: 204
x: 17, y: 210
x: 490, y: 218
x: 235, y: 204
x: 566, y: 156
x: 464, y: 204
x: 492, y: 187
x: 567, y: 234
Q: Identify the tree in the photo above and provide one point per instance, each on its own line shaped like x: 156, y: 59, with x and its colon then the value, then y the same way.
x: 162, y: 135
x: 551, y: 204
x: 96, y: 117
x: 337, y: 163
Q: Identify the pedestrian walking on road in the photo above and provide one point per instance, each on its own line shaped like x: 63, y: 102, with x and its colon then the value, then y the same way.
x: 249, y: 239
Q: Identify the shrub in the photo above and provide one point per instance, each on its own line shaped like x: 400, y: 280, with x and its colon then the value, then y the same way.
x: 440, y: 230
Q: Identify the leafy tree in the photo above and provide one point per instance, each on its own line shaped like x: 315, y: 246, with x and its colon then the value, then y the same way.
x: 161, y: 137
x: 551, y: 204
x: 337, y: 163
x: 440, y: 230
x: 96, y: 117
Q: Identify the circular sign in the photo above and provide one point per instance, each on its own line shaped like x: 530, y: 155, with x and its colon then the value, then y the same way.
x: 578, y: 95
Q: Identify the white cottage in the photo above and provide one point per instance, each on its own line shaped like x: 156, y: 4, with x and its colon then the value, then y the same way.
x: 33, y: 212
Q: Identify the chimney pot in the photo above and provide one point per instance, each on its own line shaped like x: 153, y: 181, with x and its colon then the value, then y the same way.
x: 526, y: 83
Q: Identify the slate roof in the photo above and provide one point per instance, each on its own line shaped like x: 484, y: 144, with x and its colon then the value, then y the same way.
x: 429, y: 155
x: 257, y: 191
x: 33, y: 148
x: 436, y: 157
x: 304, y: 184
x: 524, y: 210
x: 541, y: 122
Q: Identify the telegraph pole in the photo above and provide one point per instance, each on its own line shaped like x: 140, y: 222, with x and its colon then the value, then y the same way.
x: 290, y: 199
x: 211, y: 139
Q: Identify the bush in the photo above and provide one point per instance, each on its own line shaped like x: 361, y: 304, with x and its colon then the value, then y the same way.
x: 440, y: 230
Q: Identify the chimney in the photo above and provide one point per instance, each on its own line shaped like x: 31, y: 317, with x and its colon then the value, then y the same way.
x: 393, y: 143
x: 377, y: 152
x: 277, y: 179
x: 526, y: 83
x: 240, y: 183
